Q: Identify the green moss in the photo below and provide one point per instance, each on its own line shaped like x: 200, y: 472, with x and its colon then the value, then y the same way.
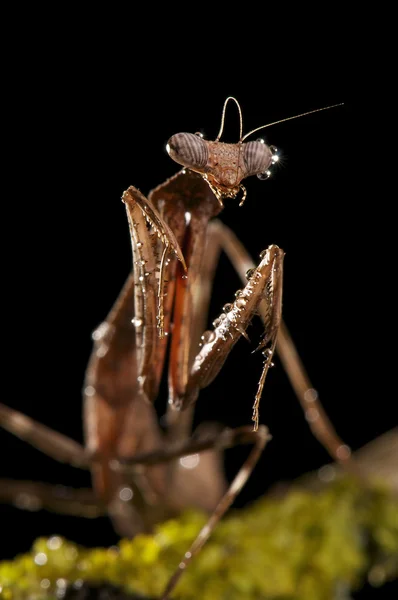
x: 304, y: 546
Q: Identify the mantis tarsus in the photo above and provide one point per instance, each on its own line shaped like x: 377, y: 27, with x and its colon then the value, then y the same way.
x: 137, y: 475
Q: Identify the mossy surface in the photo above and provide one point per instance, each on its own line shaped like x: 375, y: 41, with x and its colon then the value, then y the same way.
x: 303, y: 546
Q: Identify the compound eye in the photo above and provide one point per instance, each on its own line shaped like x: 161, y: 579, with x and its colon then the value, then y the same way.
x: 257, y: 157
x: 188, y: 149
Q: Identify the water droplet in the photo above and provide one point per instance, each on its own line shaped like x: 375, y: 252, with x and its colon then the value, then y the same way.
x: 327, y: 473
x: 250, y: 273
x: 222, y: 317
x: 343, y: 452
x: 136, y: 322
x: 40, y: 558
x: 377, y: 575
x: 54, y: 542
x: 89, y: 390
x: 264, y: 176
x: 216, y: 322
x: 101, y: 331
x: 139, y: 244
x: 190, y: 462
x: 102, y: 351
x: 240, y: 302
x: 274, y: 149
x: 260, y: 141
x: 238, y: 293
x: 231, y: 316
x: 227, y: 307
x: 310, y: 395
x: 263, y: 254
x: 126, y: 494
x: 208, y: 336
x: 177, y: 404
x: 141, y: 278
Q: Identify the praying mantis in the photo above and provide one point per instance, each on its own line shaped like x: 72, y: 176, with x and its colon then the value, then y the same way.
x: 140, y: 475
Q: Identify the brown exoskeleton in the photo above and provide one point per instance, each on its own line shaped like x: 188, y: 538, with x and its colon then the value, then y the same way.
x: 139, y: 474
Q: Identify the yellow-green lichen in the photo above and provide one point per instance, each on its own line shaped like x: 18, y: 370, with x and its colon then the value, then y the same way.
x: 301, y: 547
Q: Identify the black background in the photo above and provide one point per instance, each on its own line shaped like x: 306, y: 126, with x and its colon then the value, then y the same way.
x: 81, y: 127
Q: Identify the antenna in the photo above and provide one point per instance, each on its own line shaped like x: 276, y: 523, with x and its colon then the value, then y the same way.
x: 223, y: 117
x: 283, y: 120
